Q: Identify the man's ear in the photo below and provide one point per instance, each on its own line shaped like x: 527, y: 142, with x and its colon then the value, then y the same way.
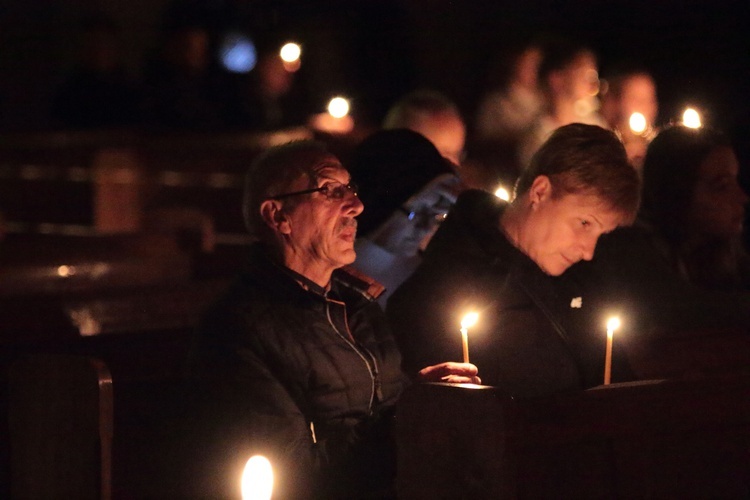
x: 273, y: 215
x: 541, y: 190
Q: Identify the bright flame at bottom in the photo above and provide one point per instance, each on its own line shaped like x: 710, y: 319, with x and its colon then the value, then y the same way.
x: 257, y: 479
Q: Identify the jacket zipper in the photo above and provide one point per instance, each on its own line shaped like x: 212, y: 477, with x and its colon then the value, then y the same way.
x: 373, y: 374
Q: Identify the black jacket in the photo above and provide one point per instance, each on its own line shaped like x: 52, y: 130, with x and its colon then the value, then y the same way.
x: 531, y: 339
x: 305, y: 376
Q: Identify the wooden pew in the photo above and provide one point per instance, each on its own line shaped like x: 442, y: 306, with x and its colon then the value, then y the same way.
x: 652, y: 439
x: 65, y: 182
x: 60, y: 428
x: 144, y: 336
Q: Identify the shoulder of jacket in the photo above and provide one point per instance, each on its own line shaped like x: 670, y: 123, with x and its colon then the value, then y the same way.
x: 356, y: 280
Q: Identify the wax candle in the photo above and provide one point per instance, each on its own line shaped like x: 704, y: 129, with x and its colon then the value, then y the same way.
x: 612, y: 325
x: 467, y: 322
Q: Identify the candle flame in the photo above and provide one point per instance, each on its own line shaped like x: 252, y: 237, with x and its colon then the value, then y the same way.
x: 257, y: 479
x: 613, y: 324
x: 469, y: 320
x: 338, y: 107
x: 691, y: 118
x: 637, y: 123
x: 290, y: 52
x: 502, y: 193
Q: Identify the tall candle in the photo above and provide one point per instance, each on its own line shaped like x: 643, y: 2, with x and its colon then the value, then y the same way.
x: 612, y: 325
x: 467, y: 322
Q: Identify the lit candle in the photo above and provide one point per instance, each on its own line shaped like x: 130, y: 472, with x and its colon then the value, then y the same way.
x: 336, y: 120
x: 290, y: 55
x: 502, y: 193
x: 467, y: 322
x: 637, y: 123
x: 612, y: 325
x: 257, y: 479
x: 691, y: 118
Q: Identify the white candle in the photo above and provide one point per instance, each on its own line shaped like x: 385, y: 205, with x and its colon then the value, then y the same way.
x: 257, y: 479
x: 467, y: 322
x: 612, y: 325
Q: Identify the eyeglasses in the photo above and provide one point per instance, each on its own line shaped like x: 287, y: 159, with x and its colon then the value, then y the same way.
x: 331, y: 190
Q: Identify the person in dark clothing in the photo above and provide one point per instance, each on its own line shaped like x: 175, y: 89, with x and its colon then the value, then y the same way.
x: 296, y: 361
x: 504, y: 261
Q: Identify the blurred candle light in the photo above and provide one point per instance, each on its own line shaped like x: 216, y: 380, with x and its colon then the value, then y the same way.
x: 502, y: 193
x: 637, y: 123
x: 338, y: 107
x: 467, y: 322
x: 612, y: 325
x: 290, y: 55
x: 336, y: 120
x: 691, y: 118
x: 257, y: 479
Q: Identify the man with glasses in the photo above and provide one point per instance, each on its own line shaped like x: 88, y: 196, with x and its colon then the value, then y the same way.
x: 296, y: 362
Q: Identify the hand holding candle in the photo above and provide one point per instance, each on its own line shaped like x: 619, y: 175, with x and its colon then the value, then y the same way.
x: 467, y: 322
x: 612, y: 325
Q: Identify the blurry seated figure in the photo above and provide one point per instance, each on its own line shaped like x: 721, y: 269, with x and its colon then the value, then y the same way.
x: 434, y: 116
x: 630, y: 107
x: 97, y: 93
x: 503, y: 261
x: 569, y: 79
x: 408, y: 189
x: 295, y: 361
x: 507, y: 111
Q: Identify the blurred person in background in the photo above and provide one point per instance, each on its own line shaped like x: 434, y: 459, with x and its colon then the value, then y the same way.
x: 515, y: 100
x: 408, y: 188
x: 569, y: 79
x: 630, y: 107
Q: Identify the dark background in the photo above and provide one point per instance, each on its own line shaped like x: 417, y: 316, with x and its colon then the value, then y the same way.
x: 376, y: 50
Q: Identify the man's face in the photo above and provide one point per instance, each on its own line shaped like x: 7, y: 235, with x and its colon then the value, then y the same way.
x: 564, y: 230
x: 321, y: 230
x: 718, y: 205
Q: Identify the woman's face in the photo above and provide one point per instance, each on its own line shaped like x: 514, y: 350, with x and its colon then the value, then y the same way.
x: 718, y: 203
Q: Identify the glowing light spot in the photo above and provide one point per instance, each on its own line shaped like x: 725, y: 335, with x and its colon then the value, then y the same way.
x: 290, y: 52
x: 338, y: 107
x: 66, y: 271
x: 502, y: 193
x: 257, y: 479
x: 469, y: 320
x: 613, y: 324
x: 637, y: 123
x: 237, y: 53
x: 691, y: 118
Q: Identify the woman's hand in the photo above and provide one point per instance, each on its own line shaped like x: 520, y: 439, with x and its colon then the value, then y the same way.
x: 450, y: 371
